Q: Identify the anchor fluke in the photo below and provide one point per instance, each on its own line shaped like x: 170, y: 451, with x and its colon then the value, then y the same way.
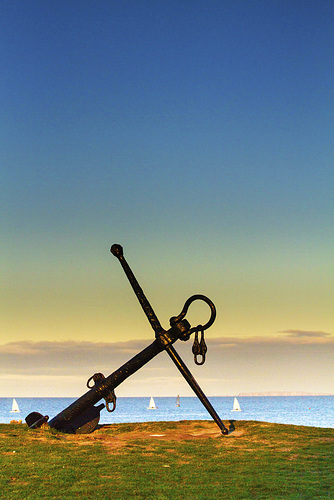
x: 35, y: 420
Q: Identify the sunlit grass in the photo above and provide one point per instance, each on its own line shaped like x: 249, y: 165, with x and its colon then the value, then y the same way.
x: 168, y: 460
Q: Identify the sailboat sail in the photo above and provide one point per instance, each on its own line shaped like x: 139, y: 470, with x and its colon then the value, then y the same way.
x: 152, y: 405
x: 236, y: 405
x: 15, y: 407
x: 177, y: 401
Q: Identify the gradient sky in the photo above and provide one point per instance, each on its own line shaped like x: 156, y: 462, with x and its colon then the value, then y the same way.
x: 199, y: 135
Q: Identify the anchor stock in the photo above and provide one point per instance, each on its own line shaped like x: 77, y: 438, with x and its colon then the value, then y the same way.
x: 82, y: 416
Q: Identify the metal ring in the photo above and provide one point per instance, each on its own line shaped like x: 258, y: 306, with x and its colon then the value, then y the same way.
x: 199, y: 362
x: 88, y: 381
x: 186, y: 307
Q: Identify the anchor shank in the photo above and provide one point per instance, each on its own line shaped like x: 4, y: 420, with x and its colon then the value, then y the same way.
x: 99, y: 391
x: 181, y: 366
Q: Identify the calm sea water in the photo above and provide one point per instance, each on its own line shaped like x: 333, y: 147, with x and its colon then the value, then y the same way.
x: 317, y: 411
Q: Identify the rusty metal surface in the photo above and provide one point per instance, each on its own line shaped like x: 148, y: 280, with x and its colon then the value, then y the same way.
x: 110, y: 397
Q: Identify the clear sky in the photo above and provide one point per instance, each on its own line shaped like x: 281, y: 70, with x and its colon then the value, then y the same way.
x: 197, y: 134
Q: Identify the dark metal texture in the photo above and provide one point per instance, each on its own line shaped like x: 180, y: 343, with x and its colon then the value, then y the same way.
x: 117, y: 251
x: 82, y: 416
x: 110, y: 398
x: 181, y: 366
x: 35, y: 420
x: 102, y: 389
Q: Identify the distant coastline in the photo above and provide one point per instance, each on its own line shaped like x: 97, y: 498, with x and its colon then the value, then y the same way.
x: 282, y: 393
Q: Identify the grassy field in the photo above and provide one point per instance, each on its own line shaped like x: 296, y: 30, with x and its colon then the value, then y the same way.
x: 168, y: 460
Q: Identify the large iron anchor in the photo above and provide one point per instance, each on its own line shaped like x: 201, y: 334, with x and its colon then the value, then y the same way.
x: 82, y: 416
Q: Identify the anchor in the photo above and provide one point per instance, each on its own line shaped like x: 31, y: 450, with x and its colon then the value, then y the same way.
x: 82, y: 416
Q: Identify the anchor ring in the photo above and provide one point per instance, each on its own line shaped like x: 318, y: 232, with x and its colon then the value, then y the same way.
x: 185, y: 310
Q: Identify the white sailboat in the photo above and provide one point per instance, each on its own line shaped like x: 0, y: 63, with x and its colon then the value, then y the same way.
x: 15, y: 407
x: 236, y: 405
x: 177, y: 401
x: 152, y: 406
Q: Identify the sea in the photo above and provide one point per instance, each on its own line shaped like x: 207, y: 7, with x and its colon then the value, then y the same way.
x: 311, y: 411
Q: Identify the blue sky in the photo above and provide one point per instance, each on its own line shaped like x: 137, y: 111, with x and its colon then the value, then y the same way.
x: 199, y: 135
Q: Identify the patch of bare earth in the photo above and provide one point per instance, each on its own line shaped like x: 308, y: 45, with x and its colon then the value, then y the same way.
x: 184, y: 431
x: 114, y: 438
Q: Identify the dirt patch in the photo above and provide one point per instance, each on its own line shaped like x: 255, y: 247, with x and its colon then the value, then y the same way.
x: 181, y: 432
x: 117, y: 436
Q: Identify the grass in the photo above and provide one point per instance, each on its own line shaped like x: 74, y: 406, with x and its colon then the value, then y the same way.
x: 168, y: 460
